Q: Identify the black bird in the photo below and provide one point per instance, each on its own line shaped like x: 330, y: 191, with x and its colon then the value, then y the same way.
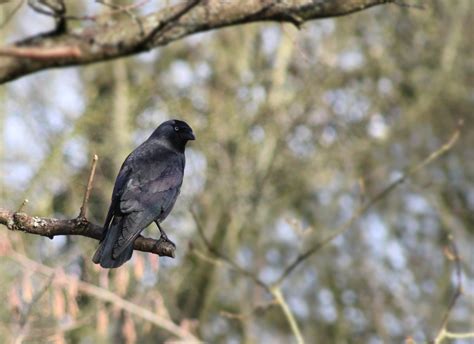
x: 145, y: 191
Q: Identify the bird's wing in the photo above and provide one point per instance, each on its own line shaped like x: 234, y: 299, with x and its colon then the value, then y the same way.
x: 120, y: 182
x: 149, y: 181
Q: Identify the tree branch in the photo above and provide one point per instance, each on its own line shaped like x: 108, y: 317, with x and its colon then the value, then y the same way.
x: 122, y: 37
x: 51, y: 227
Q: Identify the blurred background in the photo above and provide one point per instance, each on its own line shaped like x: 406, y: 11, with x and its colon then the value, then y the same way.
x: 295, y: 131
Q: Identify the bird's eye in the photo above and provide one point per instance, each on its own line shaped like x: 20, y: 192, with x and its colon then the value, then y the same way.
x: 176, y: 128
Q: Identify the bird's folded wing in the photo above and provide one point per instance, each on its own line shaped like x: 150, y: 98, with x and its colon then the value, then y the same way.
x: 152, y: 194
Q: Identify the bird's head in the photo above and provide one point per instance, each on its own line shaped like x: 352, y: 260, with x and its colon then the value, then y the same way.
x: 174, y: 132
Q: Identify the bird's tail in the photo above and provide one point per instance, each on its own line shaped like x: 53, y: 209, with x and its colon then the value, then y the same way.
x: 104, y: 254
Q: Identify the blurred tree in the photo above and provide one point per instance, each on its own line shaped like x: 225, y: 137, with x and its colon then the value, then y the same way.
x: 297, y: 131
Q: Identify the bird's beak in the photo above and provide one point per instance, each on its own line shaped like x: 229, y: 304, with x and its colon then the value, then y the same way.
x: 189, y: 136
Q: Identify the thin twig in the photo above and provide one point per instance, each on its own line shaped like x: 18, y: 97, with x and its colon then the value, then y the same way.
x: 22, y: 205
x: 276, y: 292
x: 37, y: 8
x: 453, y: 254
x: 56, y: 9
x: 83, y: 212
x: 378, y: 197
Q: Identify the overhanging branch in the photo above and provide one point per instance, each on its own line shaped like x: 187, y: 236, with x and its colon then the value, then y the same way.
x: 122, y: 36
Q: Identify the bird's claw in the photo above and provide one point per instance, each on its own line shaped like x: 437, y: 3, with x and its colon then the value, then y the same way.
x: 164, y: 238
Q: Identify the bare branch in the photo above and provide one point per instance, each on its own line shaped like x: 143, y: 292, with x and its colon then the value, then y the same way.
x: 377, y: 198
x: 122, y: 37
x: 83, y: 212
x: 51, y: 227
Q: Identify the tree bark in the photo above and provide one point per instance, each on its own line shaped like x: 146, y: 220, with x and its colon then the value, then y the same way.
x: 127, y: 35
x: 51, y: 227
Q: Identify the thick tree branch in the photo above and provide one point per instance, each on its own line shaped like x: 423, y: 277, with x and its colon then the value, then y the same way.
x: 51, y: 227
x: 122, y: 36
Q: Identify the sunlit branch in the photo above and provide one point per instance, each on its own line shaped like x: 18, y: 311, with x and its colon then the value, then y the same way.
x: 122, y: 36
